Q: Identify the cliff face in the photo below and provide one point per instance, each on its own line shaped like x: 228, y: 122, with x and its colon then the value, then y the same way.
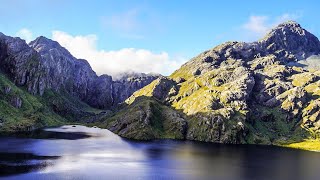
x: 129, y: 83
x: 63, y: 71
x: 264, y: 92
x: 21, y: 63
x: 44, y: 64
x: 242, y: 92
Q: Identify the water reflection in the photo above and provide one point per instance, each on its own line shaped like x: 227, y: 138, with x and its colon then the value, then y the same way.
x: 18, y: 163
x: 104, y: 155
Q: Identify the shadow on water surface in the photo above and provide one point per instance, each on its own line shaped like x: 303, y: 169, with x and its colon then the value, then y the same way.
x: 19, y: 163
x: 43, y: 134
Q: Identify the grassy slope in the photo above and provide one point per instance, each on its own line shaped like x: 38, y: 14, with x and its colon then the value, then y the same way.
x: 130, y: 122
x: 52, y: 109
x: 56, y: 109
x: 306, y: 144
x: 278, y: 131
x: 32, y: 114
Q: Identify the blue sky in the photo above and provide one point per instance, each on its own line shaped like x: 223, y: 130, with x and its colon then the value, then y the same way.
x: 135, y: 34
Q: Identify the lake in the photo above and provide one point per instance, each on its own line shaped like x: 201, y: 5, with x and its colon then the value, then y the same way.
x: 78, y: 152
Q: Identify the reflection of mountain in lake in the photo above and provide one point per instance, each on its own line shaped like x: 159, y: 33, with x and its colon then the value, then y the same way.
x: 106, y: 155
x: 18, y: 163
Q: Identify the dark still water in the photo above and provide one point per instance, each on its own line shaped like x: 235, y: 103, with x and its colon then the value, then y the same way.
x: 90, y: 153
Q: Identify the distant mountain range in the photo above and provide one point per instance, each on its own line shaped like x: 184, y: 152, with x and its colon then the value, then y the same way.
x: 264, y: 92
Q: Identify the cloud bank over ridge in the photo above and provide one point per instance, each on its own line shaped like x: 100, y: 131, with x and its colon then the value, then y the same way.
x: 118, y: 61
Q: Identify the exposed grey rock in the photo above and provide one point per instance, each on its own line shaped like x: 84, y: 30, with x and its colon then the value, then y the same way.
x: 312, y: 63
x: 20, y: 62
x: 239, y: 88
x: 225, y: 93
x: 146, y: 119
x: 63, y: 71
x: 163, y: 88
x: 1, y: 121
x: 288, y: 42
x: 16, y: 102
x: 7, y: 89
x: 44, y: 64
x: 125, y: 86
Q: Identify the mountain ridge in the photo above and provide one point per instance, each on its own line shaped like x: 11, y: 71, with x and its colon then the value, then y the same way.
x: 239, y: 92
x: 236, y: 92
x: 60, y: 85
x: 59, y: 68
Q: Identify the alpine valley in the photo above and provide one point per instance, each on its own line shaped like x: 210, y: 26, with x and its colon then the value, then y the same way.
x: 263, y: 92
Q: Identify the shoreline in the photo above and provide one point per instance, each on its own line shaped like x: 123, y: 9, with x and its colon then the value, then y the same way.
x: 312, y: 145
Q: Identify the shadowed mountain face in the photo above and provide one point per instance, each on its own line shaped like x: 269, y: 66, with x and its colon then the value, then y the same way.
x: 44, y: 64
x: 42, y: 84
x: 236, y: 92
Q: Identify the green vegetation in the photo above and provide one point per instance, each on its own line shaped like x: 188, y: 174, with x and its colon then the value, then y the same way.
x: 184, y: 72
x: 70, y: 107
x: 32, y: 114
x: 51, y: 109
x: 234, y: 93
x: 145, y: 91
x: 304, y: 79
x: 306, y: 144
x: 146, y: 119
x: 272, y: 123
x: 313, y: 88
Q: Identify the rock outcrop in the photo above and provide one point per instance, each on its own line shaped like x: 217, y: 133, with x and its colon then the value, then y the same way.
x: 243, y: 92
x: 21, y: 63
x: 147, y: 119
x: 127, y: 84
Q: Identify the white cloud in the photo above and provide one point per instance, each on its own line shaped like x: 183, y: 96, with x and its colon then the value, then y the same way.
x: 25, y: 34
x: 257, y: 26
x: 120, y: 61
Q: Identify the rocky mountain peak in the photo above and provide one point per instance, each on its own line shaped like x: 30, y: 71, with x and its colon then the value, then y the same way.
x: 14, y: 44
x: 289, y: 28
x: 239, y: 85
x: 286, y: 43
x: 41, y: 40
x: 292, y: 38
x: 290, y: 23
x: 44, y: 64
x: 45, y: 45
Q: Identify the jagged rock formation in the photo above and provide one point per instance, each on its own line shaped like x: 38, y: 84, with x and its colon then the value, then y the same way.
x: 63, y: 71
x: 44, y: 64
x: 21, y: 63
x: 264, y: 92
x: 242, y: 92
x: 42, y: 84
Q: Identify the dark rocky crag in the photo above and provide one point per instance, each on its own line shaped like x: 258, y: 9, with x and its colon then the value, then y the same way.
x: 44, y: 64
x: 62, y: 88
x: 238, y: 92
